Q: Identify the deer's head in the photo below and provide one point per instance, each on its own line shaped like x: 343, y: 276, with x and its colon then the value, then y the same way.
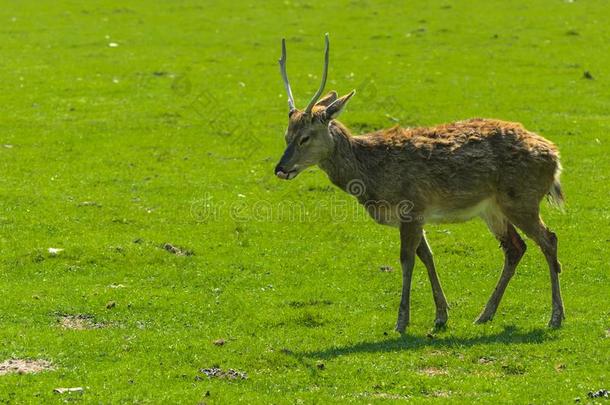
x: 307, y: 137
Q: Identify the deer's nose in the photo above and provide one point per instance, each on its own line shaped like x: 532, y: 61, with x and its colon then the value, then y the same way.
x: 281, y: 172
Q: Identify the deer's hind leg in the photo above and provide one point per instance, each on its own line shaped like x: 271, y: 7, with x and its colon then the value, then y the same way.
x: 513, y: 246
x: 531, y: 224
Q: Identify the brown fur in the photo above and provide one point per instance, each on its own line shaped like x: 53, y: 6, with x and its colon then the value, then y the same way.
x: 493, y: 169
x: 451, y: 166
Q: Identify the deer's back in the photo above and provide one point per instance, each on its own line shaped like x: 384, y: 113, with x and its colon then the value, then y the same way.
x: 457, y: 166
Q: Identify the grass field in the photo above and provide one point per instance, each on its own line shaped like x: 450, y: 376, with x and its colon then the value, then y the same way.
x: 126, y: 127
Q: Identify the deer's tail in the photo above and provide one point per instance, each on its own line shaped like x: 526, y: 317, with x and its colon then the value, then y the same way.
x: 555, y: 195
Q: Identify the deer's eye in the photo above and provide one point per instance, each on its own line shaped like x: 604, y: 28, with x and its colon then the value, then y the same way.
x: 304, y: 140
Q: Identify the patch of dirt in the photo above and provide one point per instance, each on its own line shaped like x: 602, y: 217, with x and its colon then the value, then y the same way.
x: 219, y: 342
x: 79, y: 322
x: 486, y: 360
x: 383, y: 395
x: 217, y: 372
x: 440, y: 394
x: 177, y: 250
x: 433, y: 371
x: 312, y: 303
x: 24, y: 366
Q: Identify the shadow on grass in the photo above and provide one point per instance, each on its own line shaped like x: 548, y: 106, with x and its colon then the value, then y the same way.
x: 510, y: 335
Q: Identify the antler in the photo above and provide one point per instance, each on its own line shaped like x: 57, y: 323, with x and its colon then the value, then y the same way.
x: 324, y: 74
x: 315, y: 98
x: 282, y: 62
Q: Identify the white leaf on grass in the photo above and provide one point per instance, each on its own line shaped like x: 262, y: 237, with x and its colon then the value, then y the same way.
x: 64, y: 390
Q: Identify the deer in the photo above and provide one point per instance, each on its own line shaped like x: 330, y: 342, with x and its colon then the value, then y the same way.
x: 407, y: 177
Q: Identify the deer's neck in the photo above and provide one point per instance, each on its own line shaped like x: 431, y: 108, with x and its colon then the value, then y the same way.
x: 342, y: 165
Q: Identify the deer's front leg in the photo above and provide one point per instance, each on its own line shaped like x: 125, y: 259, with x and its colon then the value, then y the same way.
x: 425, y: 255
x: 410, y: 236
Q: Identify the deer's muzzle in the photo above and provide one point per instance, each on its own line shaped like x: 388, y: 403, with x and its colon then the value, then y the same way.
x: 285, y: 174
x: 286, y: 169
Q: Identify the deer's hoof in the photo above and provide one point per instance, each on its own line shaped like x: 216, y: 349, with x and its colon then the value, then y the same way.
x: 440, y: 324
x: 401, y: 326
x: 556, y: 318
x: 441, y: 319
x: 483, y: 318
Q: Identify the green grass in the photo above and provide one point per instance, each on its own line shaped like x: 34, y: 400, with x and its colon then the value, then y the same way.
x: 172, y: 136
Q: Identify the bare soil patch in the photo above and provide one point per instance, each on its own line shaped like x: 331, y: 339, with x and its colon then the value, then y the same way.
x: 216, y: 372
x: 433, y: 371
x: 384, y: 395
x: 440, y: 394
x: 79, y: 322
x: 177, y: 250
x: 486, y: 360
x: 24, y: 366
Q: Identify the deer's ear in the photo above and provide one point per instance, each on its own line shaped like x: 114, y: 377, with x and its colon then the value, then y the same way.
x: 328, y: 99
x: 335, y: 108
